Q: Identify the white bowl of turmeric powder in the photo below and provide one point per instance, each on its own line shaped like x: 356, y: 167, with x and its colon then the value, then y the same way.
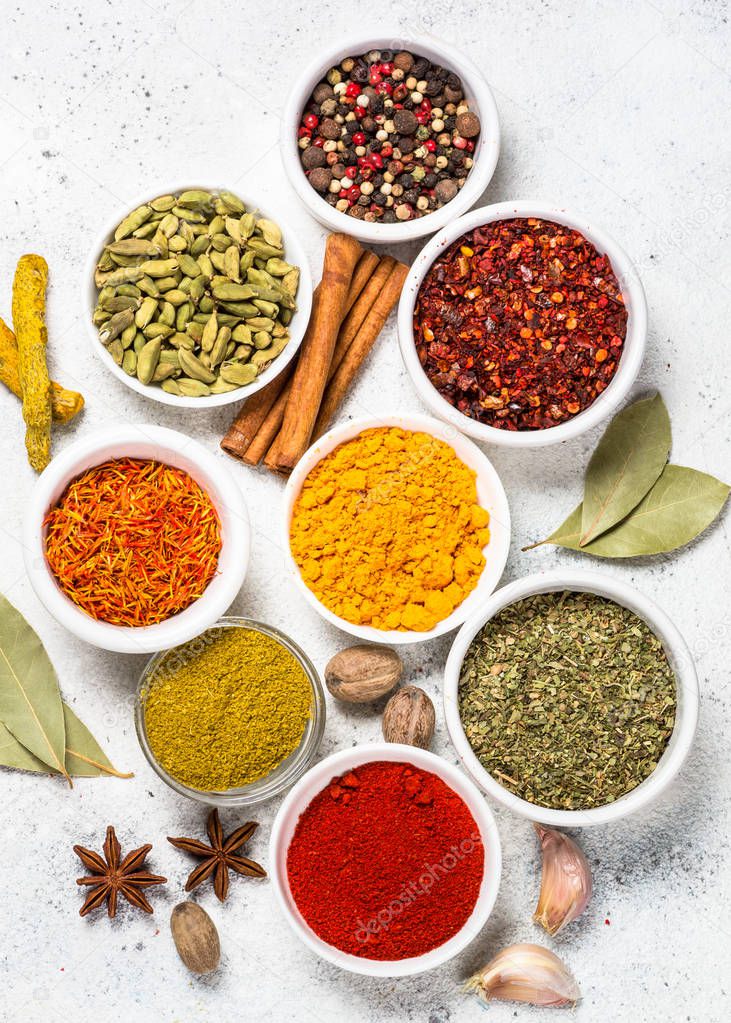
x: 395, y: 528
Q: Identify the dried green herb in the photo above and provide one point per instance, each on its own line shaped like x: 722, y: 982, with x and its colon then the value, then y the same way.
x: 627, y: 461
x: 634, y: 503
x: 567, y: 699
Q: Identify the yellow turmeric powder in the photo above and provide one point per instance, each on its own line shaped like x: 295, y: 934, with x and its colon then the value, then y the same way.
x: 387, y: 530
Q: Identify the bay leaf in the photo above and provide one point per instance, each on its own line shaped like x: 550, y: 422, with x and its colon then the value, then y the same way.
x: 626, y: 463
x: 14, y: 754
x: 84, y: 756
x: 30, y: 701
x: 682, y: 503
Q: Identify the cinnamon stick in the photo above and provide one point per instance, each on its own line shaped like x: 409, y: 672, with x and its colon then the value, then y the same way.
x: 371, y: 309
x: 254, y: 416
x: 310, y: 377
x: 359, y: 348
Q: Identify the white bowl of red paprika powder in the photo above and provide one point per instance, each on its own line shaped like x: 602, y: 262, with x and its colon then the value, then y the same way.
x: 549, y: 354
x: 423, y: 858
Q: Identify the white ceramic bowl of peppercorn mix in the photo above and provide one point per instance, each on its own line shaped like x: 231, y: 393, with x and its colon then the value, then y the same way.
x: 164, y: 263
x: 571, y: 698
x: 389, y: 140
x: 439, y: 850
x: 396, y: 528
x: 522, y: 324
x: 136, y: 539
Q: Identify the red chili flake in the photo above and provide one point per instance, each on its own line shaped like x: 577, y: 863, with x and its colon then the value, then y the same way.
x: 520, y: 324
x: 133, y: 542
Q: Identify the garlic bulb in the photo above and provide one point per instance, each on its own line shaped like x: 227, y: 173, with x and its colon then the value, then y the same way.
x: 526, y: 973
x: 565, y: 880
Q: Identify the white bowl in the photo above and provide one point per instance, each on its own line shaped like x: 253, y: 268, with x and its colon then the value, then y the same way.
x: 485, y: 156
x: 294, y: 254
x: 632, y: 353
x: 316, y: 779
x: 490, y: 494
x: 678, y: 655
x: 172, y: 448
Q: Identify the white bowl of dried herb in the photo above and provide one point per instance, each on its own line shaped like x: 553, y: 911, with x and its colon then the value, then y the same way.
x: 571, y: 698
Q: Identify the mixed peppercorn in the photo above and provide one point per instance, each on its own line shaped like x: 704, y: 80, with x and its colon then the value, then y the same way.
x: 520, y: 324
x: 388, y: 136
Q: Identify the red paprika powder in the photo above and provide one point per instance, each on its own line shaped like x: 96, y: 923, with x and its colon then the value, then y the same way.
x: 386, y: 862
x: 520, y: 324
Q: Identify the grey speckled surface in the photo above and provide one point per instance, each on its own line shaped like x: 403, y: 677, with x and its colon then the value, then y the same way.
x: 620, y: 111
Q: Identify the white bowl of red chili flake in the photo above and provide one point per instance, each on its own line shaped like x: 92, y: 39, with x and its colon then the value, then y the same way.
x: 522, y: 324
x: 389, y: 140
x: 385, y: 860
x: 137, y: 539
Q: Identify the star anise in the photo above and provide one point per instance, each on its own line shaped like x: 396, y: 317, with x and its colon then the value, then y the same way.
x: 220, y: 856
x: 113, y: 876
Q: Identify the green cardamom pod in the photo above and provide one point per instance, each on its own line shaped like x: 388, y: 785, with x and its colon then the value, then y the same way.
x: 221, y: 387
x: 216, y: 259
x: 220, y: 242
x: 262, y: 339
x: 195, y: 331
x: 148, y: 286
x: 233, y: 292
x: 210, y: 333
x: 195, y: 197
x: 147, y: 360
x: 124, y: 275
x: 240, y: 309
x: 133, y: 247
x: 189, y: 266
x: 182, y: 340
x: 242, y: 353
x: 146, y: 231
x: 168, y: 283
x: 189, y: 216
x: 176, y: 297
x: 231, y: 263
x: 270, y: 309
x: 261, y: 323
x: 242, y: 334
x: 247, y: 225
x: 193, y: 367
x: 239, y: 373
x: 262, y: 248
x: 116, y: 350
x: 139, y: 342
x: 128, y: 335
x: 178, y: 244
x: 163, y: 203
x: 182, y: 316
x: 233, y: 229
x: 232, y: 202
x: 163, y: 371
x: 167, y: 314
x: 218, y: 352
x: 270, y: 232
x: 114, y: 327
x: 129, y: 362
x: 117, y: 303
x: 192, y: 388
x: 161, y: 330
x: 199, y: 245
x: 291, y: 281
x: 147, y: 310
x: 171, y: 387
x: 132, y: 221
x: 159, y: 267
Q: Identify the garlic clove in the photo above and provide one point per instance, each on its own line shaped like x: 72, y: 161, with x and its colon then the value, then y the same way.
x: 526, y: 973
x: 565, y: 880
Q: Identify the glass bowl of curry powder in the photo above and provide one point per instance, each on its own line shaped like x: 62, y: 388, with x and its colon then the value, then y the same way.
x: 233, y: 717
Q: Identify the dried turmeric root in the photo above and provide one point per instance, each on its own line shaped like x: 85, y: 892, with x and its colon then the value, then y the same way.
x: 29, y: 305
x: 64, y: 404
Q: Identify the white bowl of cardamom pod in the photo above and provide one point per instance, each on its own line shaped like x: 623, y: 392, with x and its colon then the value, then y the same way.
x: 149, y: 318
x: 521, y: 708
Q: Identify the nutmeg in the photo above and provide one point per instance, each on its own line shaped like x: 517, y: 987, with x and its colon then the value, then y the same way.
x: 195, y: 937
x: 409, y: 718
x: 363, y: 673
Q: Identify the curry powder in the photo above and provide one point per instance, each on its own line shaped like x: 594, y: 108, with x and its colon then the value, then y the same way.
x: 226, y: 709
